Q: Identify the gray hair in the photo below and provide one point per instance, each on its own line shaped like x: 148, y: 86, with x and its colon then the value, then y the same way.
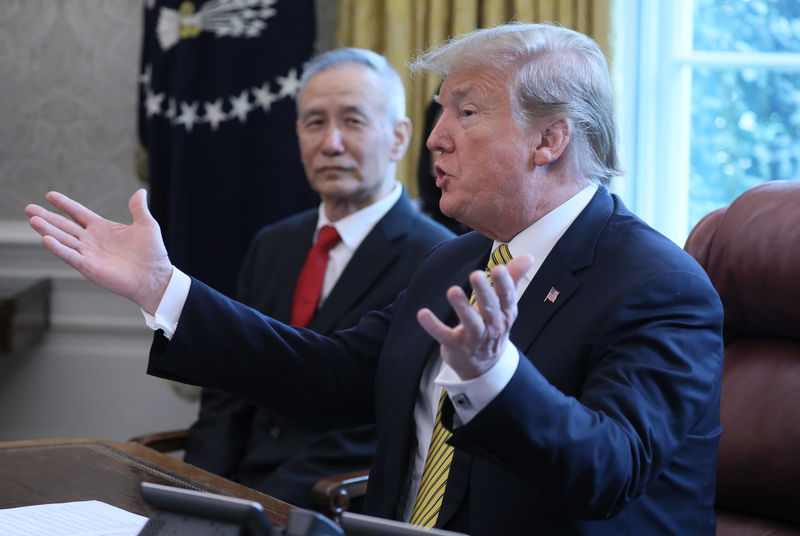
x: 395, y: 95
x: 556, y: 72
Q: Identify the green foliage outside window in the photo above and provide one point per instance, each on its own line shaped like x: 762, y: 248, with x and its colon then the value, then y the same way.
x: 745, y: 122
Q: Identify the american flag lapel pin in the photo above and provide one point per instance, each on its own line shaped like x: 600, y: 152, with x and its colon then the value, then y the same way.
x: 552, y: 295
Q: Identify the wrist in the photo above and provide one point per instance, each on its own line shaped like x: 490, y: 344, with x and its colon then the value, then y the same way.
x: 154, y: 292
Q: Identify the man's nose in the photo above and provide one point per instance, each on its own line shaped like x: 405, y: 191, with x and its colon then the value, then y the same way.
x: 333, y: 143
x: 439, y: 139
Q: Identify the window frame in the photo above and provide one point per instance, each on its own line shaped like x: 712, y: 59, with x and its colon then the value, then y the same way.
x: 652, y: 78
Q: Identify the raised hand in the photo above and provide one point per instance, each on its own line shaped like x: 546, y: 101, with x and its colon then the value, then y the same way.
x: 475, y: 344
x: 129, y: 260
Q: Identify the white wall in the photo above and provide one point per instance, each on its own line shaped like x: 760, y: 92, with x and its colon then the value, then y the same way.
x: 68, y: 73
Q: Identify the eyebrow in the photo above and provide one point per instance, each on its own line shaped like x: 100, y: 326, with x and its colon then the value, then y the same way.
x: 354, y: 108
x: 308, y: 113
x: 457, y: 94
x: 351, y: 108
x: 463, y: 91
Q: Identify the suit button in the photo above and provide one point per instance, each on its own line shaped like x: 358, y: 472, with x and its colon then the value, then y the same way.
x: 274, y: 432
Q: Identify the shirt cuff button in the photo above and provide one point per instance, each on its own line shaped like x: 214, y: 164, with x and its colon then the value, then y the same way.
x: 461, y: 400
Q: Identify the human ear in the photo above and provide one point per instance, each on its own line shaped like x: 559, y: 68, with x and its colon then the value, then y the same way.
x: 554, y: 139
x: 401, y: 135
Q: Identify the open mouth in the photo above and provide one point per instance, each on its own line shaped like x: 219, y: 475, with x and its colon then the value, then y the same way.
x: 441, y: 176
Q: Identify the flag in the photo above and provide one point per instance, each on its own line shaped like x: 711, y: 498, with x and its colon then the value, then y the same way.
x: 217, y: 89
x: 551, y: 295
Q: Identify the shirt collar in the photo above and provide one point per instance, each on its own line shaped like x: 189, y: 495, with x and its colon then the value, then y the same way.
x: 539, y: 238
x: 355, y: 227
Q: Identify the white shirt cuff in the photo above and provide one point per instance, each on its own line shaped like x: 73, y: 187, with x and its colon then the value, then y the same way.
x: 171, y: 306
x: 471, y: 396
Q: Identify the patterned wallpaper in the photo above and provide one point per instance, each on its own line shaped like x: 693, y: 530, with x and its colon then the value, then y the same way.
x: 68, y: 79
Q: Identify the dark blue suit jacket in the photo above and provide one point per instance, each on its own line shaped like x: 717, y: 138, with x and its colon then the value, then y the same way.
x: 263, y: 449
x: 610, y: 424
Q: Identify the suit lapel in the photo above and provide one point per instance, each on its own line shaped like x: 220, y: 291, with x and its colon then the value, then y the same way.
x: 288, y: 259
x: 369, y: 261
x: 573, y: 252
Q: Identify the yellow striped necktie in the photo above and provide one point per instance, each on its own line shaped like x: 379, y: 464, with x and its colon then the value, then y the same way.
x: 440, y: 454
x: 500, y: 255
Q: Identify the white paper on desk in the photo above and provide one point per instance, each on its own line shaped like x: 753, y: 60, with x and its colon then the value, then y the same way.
x: 81, y: 518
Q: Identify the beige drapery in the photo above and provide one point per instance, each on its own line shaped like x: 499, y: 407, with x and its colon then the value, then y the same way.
x: 399, y: 28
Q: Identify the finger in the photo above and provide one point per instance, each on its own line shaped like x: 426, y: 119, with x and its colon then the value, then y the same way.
x: 73, y: 209
x: 434, y: 327
x: 44, y: 228
x: 519, y: 266
x: 485, y: 297
x: 55, y: 220
x: 33, y: 209
x: 468, y: 316
x: 505, y: 289
x: 138, y: 206
x: 66, y: 254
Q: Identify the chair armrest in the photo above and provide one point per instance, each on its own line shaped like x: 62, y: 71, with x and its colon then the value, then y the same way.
x: 332, y: 494
x: 163, y: 441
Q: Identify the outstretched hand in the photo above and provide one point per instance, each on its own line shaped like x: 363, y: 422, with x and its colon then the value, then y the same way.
x: 129, y: 260
x: 473, y: 346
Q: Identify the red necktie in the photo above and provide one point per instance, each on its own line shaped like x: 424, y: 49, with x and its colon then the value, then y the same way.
x: 309, y: 284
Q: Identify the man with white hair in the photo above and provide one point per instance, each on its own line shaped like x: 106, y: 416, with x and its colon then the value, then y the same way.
x: 575, y: 391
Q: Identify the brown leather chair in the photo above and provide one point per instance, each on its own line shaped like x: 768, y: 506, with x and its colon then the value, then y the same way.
x: 331, y: 495
x: 751, y: 251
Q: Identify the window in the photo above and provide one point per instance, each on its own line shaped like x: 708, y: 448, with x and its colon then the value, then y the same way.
x: 709, y: 99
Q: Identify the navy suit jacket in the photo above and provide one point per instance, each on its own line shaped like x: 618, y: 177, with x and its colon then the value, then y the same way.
x: 266, y: 450
x: 610, y: 424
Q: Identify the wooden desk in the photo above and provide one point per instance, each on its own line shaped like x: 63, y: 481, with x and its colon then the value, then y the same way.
x: 63, y: 470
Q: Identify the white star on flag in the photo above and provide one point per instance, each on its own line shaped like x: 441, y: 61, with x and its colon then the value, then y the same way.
x: 188, y: 115
x: 214, y: 114
x: 290, y: 84
x: 241, y: 106
x: 152, y: 103
x: 264, y: 97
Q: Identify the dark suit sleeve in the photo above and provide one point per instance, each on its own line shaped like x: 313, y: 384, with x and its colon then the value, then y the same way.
x: 646, y: 401
x: 222, y: 343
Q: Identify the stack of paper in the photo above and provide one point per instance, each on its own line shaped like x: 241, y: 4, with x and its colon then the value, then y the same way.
x: 82, y: 518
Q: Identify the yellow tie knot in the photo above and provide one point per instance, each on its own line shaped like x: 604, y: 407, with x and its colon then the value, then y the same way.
x: 500, y: 255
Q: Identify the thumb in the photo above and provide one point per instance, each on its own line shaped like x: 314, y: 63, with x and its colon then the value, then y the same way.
x: 138, y: 206
x: 518, y: 266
